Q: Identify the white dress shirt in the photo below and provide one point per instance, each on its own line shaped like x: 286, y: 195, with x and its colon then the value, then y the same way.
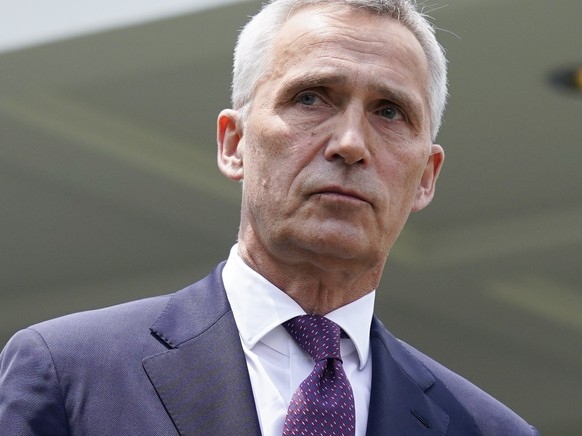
x: 276, y: 364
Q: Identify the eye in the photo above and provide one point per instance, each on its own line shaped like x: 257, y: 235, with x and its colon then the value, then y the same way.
x: 307, y: 98
x: 391, y: 113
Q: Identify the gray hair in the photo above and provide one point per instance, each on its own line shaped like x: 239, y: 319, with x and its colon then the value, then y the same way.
x: 253, y: 50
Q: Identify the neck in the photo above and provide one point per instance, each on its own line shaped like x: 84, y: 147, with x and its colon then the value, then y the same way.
x: 318, y: 285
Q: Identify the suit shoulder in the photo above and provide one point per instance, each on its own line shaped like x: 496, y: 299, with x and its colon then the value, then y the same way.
x: 121, y: 316
x: 123, y: 329
x: 491, y: 416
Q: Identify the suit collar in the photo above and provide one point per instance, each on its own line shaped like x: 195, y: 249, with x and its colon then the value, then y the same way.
x: 398, y: 400
x: 198, y: 382
x: 202, y: 379
x: 412, y: 367
x: 192, y: 310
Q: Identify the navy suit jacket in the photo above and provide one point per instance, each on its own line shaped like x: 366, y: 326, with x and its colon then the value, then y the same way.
x: 174, y: 365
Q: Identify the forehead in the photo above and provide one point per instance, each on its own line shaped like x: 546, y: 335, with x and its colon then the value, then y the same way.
x: 372, y: 47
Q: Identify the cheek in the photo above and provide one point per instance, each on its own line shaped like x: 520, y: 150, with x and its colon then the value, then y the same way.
x: 291, y: 151
x: 402, y: 174
x: 267, y: 167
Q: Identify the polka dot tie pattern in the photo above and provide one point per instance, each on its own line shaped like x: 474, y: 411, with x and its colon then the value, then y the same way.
x: 324, y: 402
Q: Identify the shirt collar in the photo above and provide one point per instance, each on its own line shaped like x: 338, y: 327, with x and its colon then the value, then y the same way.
x: 259, y: 307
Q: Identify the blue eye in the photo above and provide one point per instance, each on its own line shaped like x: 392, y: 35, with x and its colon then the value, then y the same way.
x: 307, y: 99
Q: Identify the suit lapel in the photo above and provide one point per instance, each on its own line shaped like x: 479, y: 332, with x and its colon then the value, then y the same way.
x: 398, y: 403
x: 202, y: 380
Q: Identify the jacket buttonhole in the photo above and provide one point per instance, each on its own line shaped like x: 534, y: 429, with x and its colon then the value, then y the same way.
x: 421, y: 418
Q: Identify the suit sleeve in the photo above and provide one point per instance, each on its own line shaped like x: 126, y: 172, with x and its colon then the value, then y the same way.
x: 31, y: 400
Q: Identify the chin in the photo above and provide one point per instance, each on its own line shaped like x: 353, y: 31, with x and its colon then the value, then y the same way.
x: 339, y: 247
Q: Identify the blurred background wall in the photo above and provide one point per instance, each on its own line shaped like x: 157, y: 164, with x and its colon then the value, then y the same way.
x: 109, y: 189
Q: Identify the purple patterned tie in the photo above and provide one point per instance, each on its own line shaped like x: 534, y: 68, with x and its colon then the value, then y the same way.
x: 324, y: 402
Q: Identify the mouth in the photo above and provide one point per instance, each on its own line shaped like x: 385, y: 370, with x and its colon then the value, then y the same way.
x: 340, y: 193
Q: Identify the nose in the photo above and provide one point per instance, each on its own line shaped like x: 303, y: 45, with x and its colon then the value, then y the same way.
x: 348, y: 141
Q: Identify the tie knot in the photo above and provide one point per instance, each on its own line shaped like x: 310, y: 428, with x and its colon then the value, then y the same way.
x: 317, y: 335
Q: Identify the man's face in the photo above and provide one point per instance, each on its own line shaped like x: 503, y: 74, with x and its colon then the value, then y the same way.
x: 336, y: 149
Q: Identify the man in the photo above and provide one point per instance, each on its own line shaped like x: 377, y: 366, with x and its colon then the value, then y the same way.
x: 336, y: 104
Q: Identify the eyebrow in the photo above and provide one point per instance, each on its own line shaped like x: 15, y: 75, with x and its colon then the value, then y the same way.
x: 313, y: 80
x: 411, y: 102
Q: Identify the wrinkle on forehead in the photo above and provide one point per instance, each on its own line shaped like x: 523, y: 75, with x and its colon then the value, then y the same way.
x: 318, y: 18
x: 321, y: 25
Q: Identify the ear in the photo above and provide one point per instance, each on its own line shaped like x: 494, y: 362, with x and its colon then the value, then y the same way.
x: 426, y: 188
x: 229, y: 138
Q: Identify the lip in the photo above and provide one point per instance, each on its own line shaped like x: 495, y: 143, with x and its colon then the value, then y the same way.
x: 343, y: 192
